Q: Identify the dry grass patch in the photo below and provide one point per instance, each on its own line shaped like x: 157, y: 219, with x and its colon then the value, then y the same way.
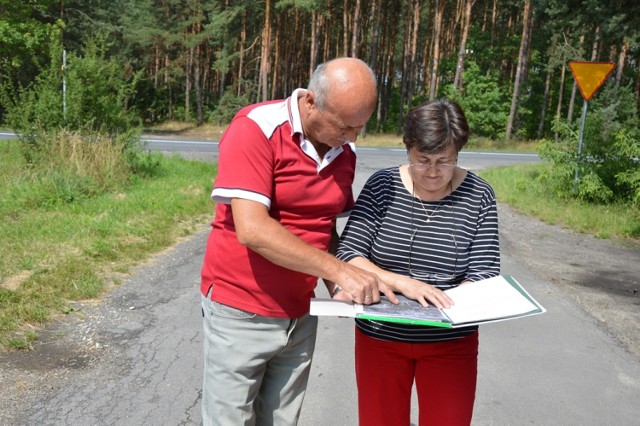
x: 187, y: 130
x: 14, y: 282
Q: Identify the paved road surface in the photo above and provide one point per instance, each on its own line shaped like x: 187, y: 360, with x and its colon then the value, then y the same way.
x: 135, y: 358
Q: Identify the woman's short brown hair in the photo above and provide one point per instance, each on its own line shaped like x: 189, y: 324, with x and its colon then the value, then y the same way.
x: 433, y: 126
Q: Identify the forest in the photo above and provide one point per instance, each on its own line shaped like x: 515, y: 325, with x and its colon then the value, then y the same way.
x: 505, y: 61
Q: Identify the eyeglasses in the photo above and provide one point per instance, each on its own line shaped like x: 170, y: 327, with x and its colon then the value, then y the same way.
x: 432, y: 278
x: 429, y: 277
x: 440, y: 165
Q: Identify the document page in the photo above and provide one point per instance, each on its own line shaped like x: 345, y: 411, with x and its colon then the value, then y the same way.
x: 493, y: 298
x: 406, y: 308
x: 332, y: 307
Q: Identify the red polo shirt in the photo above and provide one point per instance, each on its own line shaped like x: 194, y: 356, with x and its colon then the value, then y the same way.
x: 264, y: 157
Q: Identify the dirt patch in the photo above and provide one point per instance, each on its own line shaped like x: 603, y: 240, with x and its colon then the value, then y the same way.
x: 603, y: 276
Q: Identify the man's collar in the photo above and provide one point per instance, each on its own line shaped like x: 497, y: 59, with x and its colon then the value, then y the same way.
x: 294, y: 112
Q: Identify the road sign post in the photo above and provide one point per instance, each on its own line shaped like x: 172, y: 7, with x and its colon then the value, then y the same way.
x: 583, y: 120
x: 589, y: 77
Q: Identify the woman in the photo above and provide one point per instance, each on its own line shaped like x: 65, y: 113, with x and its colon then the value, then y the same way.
x: 422, y: 227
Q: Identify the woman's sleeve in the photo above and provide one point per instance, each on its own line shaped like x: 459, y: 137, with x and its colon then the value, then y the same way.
x: 484, y: 256
x: 363, y: 224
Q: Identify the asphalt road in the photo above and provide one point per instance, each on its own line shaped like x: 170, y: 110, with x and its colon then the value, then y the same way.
x: 134, y: 358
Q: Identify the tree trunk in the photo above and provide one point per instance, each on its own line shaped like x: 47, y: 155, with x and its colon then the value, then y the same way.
x: 413, y: 52
x: 545, y: 102
x: 375, y: 38
x: 483, y: 28
x: 388, y: 78
x: 373, y: 53
x: 313, y: 50
x: 409, y: 57
x: 520, y: 70
x: 525, y: 68
x: 457, y: 81
x: 187, y: 84
x: 355, y: 30
x: 326, y: 50
x: 494, y: 15
x: 637, y: 94
x: 243, y: 43
x: 167, y: 62
x: 425, y: 65
x: 572, y: 102
x: 205, y: 86
x: 547, y: 87
x: 437, y: 30
x: 595, y: 45
x: 276, y: 60
x: 197, y: 88
x: 156, y: 71
x: 622, y: 57
x: 265, y: 64
x: 345, y: 28
x: 560, y: 93
x: 406, y: 66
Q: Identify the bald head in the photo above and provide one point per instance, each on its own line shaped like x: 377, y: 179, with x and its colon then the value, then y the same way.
x: 344, y: 78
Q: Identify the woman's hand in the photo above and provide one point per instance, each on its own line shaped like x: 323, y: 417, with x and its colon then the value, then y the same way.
x: 423, y: 293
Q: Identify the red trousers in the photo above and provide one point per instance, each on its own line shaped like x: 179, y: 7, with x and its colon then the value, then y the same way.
x: 444, y: 372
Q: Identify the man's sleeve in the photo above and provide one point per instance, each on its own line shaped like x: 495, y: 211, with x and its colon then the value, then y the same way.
x: 245, y: 164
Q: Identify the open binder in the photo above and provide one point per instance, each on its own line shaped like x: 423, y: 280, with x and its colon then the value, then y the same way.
x: 494, y: 299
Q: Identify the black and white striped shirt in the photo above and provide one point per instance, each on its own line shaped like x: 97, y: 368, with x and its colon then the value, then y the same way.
x: 388, y: 226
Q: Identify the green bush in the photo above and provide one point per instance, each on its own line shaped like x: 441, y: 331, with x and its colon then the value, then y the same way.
x: 96, y: 98
x: 608, y: 169
x: 627, y: 145
x: 87, y: 141
x: 485, y: 104
x: 229, y: 105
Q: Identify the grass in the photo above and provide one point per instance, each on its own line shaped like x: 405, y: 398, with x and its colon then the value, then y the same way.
x: 519, y: 187
x: 55, y: 250
x: 484, y: 144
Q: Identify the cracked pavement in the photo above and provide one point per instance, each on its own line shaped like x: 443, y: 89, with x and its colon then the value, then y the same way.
x: 132, y: 358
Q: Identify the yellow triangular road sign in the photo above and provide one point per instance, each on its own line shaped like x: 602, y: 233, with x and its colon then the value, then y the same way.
x: 590, y: 76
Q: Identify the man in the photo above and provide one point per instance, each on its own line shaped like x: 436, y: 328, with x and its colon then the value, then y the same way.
x: 285, y: 172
